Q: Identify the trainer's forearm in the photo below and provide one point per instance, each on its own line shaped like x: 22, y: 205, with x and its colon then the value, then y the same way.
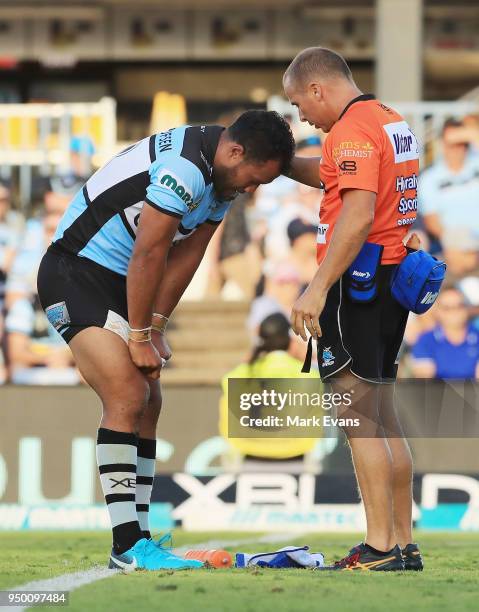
x: 306, y: 170
x: 145, y: 274
x: 350, y: 233
x: 183, y: 261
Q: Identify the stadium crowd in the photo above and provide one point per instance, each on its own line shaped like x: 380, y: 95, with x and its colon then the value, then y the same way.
x: 265, y: 253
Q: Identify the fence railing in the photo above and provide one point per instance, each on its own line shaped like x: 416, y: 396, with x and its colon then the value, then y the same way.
x: 426, y: 120
x: 40, y: 135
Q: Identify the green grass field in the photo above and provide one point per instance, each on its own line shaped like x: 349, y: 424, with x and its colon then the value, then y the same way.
x: 449, y: 581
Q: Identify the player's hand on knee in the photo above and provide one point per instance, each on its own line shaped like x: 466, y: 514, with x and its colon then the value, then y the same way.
x: 161, y: 344
x: 146, y: 358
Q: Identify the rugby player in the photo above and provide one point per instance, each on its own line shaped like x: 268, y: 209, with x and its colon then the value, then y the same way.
x: 122, y: 256
x: 369, y: 174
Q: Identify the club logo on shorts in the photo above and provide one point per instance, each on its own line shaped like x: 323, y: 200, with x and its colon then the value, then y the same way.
x: 58, y: 315
x: 328, y: 357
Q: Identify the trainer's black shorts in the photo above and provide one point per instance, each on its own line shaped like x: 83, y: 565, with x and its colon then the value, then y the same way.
x: 366, y: 337
x: 77, y: 293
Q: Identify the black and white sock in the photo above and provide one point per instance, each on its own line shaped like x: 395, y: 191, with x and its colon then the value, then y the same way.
x: 116, y: 458
x: 145, y: 471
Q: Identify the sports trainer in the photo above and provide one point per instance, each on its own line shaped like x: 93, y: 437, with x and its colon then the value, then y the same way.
x: 369, y: 174
x: 122, y: 256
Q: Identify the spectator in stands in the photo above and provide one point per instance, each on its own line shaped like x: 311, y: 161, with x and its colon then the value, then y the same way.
x: 282, y: 284
x: 270, y: 199
x: 82, y: 150
x: 36, y: 353
x: 11, y: 225
x: 271, y: 358
x: 21, y: 280
x: 58, y: 188
x: 301, y: 202
x: 449, y: 199
x: 3, y: 370
x: 471, y: 132
x: 451, y: 349
x: 469, y: 287
x: 302, y: 240
x: 310, y: 146
x: 53, y: 204
x: 235, y: 255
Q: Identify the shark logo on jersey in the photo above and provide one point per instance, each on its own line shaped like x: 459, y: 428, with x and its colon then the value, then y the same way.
x: 168, y: 179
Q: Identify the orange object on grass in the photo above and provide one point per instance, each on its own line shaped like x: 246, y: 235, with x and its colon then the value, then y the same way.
x: 215, y: 558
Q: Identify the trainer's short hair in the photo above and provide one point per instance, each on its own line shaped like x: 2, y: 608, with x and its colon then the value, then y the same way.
x: 317, y: 62
x: 264, y: 135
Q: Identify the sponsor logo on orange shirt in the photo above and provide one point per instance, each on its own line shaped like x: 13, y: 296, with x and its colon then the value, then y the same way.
x: 353, y: 148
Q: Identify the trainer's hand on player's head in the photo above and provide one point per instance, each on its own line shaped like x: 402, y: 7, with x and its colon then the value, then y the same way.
x: 146, y: 358
x: 306, y: 311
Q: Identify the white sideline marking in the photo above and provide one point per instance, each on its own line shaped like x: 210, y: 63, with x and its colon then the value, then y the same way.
x: 70, y: 582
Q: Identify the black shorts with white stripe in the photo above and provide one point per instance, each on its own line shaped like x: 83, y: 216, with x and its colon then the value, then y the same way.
x: 366, y: 337
x: 77, y: 293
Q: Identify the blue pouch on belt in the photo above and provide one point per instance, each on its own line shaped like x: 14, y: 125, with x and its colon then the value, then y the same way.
x: 362, y: 273
x: 417, y: 280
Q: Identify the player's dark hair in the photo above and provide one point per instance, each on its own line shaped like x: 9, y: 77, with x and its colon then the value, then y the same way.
x: 264, y: 135
x: 273, y: 336
x: 317, y: 61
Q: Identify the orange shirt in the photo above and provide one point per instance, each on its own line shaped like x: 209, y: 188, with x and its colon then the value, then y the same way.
x: 371, y: 147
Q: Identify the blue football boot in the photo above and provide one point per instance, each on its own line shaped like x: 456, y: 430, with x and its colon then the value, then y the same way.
x: 146, y: 554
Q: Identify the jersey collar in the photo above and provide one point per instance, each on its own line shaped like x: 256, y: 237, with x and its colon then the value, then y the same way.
x: 209, y: 141
x: 361, y: 98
